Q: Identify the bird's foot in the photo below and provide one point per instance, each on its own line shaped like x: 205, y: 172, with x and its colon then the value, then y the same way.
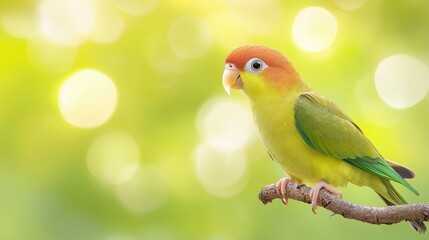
x: 314, y: 193
x: 281, y: 189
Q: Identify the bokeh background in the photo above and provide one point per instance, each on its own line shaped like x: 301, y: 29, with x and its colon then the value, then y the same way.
x: 114, y: 124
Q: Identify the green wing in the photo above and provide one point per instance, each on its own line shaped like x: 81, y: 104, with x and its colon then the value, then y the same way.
x: 327, y: 129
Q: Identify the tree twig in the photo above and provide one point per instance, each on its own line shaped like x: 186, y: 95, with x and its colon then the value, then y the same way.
x: 373, y: 215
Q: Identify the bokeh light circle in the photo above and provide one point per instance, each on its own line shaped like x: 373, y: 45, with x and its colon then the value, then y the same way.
x: 189, y: 37
x: 146, y: 191
x: 402, y: 81
x: 109, y: 25
x: 113, y: 158
x: 66, y: 22
x: 225, y: 124
x: 221, y: 173
x: 314, y: 29
x: 87, y: 98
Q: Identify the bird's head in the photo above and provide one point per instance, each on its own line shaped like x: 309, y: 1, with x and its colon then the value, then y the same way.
x: 259, y: 71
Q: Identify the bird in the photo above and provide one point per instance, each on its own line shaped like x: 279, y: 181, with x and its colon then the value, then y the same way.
x: 310, y: 137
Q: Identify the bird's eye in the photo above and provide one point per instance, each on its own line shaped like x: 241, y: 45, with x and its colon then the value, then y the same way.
x: 255, y: 65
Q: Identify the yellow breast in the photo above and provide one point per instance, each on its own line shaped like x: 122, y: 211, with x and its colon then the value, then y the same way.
x: 275, y: 120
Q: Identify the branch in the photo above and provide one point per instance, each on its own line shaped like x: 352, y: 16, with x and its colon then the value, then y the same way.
x: 373, y: 215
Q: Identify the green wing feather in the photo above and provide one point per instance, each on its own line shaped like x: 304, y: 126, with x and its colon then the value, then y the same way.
x: 327, y: 129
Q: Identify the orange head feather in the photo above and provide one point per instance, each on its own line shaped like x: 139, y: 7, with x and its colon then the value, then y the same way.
x: 275, y: 70
x: 271, y: 56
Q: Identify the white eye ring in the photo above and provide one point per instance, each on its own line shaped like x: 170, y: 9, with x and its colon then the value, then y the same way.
x: 255, y: 65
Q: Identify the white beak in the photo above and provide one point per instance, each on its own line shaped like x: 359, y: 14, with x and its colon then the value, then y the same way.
x: 231, y: 78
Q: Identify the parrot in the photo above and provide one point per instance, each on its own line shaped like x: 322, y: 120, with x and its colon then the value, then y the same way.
x: 310, y: 137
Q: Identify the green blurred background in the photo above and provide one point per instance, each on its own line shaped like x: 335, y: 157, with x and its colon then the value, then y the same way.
x: 114, y: 124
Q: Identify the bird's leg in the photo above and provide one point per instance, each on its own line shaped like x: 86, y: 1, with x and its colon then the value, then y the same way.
x: 281, y: 188
x: 314, y: 193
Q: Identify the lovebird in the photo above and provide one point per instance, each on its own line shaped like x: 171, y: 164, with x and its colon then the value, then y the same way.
x: 311, y: 138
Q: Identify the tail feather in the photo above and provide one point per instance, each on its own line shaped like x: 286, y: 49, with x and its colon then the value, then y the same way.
x: 401, y: 170
x: 396, y: 199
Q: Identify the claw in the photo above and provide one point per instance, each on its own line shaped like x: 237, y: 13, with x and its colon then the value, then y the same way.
x: 314, y: 193
x: 281, y: 189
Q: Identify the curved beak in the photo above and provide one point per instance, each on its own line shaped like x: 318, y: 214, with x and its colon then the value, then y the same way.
x: 231, y: 78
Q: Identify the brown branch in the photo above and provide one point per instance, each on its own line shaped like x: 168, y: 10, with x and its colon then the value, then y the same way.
x: 373, y: 215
